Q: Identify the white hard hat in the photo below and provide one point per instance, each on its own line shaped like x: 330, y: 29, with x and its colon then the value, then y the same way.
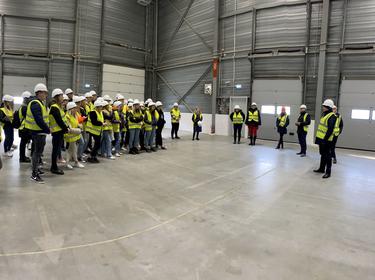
x: 328, y: 103
x: 253, y: 104
x: 40, y: 87
x: 104, y: 103
x: 130, y: 104
x: 175, y: 104
x: 120, y: 97
x: 88, y: 94
x: 136, y: 102
x: 68, y: 91
x: 26, y: 94
x: 148, y: 100
x: 56, y: 92
x: 65, y: 97
x: 93, y: 92
x: 303, y: 106
x: 71, y: 105
x: 100, y: 99
x: 8, y: 98
x: 117, y: 103
x: 237, y: 107
x: 141, y: 103
x: 130, y: 100
x: 98, y: 103
x: 76, y: 98
x: 158, y: 104
x: 107, y: 97
x: 151, y: 103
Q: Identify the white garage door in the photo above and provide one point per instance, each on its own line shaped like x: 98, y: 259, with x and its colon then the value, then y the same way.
x: 15, y: 85
x: 271, y: 95
x: 129, y: 82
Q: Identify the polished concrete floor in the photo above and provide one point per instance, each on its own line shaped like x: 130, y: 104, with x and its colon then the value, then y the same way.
x: 200, y: 210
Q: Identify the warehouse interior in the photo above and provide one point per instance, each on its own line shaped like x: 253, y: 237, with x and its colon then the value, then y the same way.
x: 207, y: 209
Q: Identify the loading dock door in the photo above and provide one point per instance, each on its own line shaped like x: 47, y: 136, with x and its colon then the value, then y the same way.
x: 357, y: 107
x: 270, y: 96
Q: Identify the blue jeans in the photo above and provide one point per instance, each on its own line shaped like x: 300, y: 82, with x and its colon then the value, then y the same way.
x: 150, y: 138
x: 106, y: 146
x: 9, y: 137
x: 81, y: 146
x: 117, y: 141
x: 134, y: 138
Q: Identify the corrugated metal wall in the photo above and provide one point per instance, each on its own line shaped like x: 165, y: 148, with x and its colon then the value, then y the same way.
x: 278, y: 27
x: 29, y: 24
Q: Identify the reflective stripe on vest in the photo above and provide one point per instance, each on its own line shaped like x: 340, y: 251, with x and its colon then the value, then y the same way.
x: 73, y: 123
x: 8, y: 113
x: 22, y: 119
x: 237, y: 118
x: 30, y: 123
x: 53, y: 125
x: 136, y: 114
x: 116, y: 126
x: 254, y: 116
x: 336, y: 130
x: 306, y: 127
x: 323, y: 127
x: 108, y: 123
x: 175, y: 115
x: 148, y: 117
x: 282, y: 120
x: 195, y: 116
x: 95, y: 129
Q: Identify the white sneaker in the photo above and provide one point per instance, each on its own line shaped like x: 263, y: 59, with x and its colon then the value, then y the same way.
x: 111, y: 157
x: 69, y: 166
x: 79, y: 165
x: 124, y: 149
x: 14, y: 147
x: 118, y: 155
x: 9, y: 154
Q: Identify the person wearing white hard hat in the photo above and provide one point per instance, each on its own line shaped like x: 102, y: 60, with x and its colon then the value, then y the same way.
x: 73, y: 136
x: 125, y: 133
x: 253, y: 121
x: 159, y: 129
x: 81, y: 116
x: 135, y: 119
x: 116, y: 127
x: 142, y: 132
x: 59, y: 126
x: 37, y: 122
x: 106, y: 145
x: 238, y: 118
x: 94, y: 126
x: 197, y: 119
x: 324, y: 138
x: 303, y: 122
x: 175, y: 119
x: 6, y: 121
x: 19, y: 123
x: 69, y: 92
x: 282, y: 123
x: 151, y: 118
x: 339, y: 126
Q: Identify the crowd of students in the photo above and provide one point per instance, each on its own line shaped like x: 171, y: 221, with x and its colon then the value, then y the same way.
x: 84, y: 126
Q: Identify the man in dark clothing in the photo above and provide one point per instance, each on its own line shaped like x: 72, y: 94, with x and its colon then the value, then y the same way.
x: 339, y: 126
x: 23, y: 133
x: 160, y: 126
x: 324, y: 138
x: 303, y: 122
x: 36, y: 122
x: 237, y: 117
x: 95, y: 126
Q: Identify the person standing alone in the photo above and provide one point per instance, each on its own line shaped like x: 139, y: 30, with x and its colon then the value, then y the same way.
x: 282, y: 122
x: 237, y: 117
x: 175, y: 118
x: 197, y: 119
x: 303, y: 122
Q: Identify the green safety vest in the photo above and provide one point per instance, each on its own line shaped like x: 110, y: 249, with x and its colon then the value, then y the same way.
x: 52, y: 122
x: 323, y: 127
x: 136, y: 114
x: 336, y: 130
x: 237, y: 118
x: 73, y: 123
x: 109, y: 124
x: 8, y: 113
x: 282, y: 120
x: 175, y: 115
x: 195, y: 116
x: 253, y: 116
x: 30, y: 123
x: 95, y: 129
x: 116, y: 126
x: 306, y: 127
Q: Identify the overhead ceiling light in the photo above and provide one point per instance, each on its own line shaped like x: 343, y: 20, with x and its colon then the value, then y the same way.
x: 238, y: 86
x: 87, y: 85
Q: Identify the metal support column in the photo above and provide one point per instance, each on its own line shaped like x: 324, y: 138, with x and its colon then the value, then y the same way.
x: 49, y: 71
x: 155, y: 51
x: 1, y: 56
x: 216, y: 63
x: 253, y: 46
x: 322, y: 60
x: 340, y: 54
x: 101, y: 52
x: 307, y: 43
x: 76, y: 50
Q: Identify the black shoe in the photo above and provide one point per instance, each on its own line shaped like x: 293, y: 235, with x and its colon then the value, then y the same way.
x: 154, y: 150
x: 148, y: 150
x: 25, y: 160
x: 136, y: 151
x: 192, y: 139
x: 178, y: 137
x: 131, y: 152
x: 36, y: 178
x: 303, y: 155
x: 234, y: 142
x: 277, y: 148
x: 163, y: 148
x: 319, y: 171
x: 326, y: 176
x: 197, y: 139
x: 299, y: 153
x: 334, y: 161
x: 92, y: 160
x: 57, y: 171
x: 250, y: 144
x: 172, y: 138
x: 40, y: 172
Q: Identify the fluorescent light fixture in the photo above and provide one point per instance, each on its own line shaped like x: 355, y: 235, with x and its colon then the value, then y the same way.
x: 360, y: 114
x: 18, y: 100
x: 87, y: 85
x: 238, y: 86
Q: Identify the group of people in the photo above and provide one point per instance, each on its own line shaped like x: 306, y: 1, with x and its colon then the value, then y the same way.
x: 84, y: 126
x: 329, y: 129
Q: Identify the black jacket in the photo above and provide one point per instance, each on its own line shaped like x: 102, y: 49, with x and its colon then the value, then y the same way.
x: 161, y: 121
x: 253, y: 122
x: 36, y: 110
x: 55, y: 112
x: 331, y: 127
x: 4, y: 119
x: 243, y: 116
x: 94, y: 119
x: 300, y: 128
x: 341, y: 124
x: 282, y: 129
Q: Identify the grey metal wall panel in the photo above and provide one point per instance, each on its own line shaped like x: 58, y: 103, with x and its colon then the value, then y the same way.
x: 23, y: 35
x: 359, y: 66
x: 18, y: 67
x: 279, y: 67
x: 61, y: 75
x: 233, y: 74
x: 242, y: 39
x: 336, y: 23
x: 118, y: 55
x: 62, y: 37
x: 88, y: 74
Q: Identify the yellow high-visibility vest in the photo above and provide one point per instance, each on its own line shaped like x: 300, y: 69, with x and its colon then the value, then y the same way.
x: 116, y: 126
x: 306, y: 127
x: 175, y: 115
x: 323, y: 127
x: 95, y: 129
x: 52, y: 122
x: 282, y: 120
x: 8, y: 112
x: 108, y: 122
x: 237, y: 118
x: 73, y: 123
x: 136, y: 114
x: 30, y: 123
x: 253, y: 116
x: 336, y: 131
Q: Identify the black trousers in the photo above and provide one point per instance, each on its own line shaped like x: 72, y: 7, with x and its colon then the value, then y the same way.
x: 57, y: 142
x: 237, y: 129
x: 142, y: 139
x: 281, y: 141
x: 25, y: 138
x: 333, y: 147
x: 325, y: 157
x: 196, y: 130
x: 95, y: 149
x: 39, y: 141
x: 159, y: 137
x: 175, y: 128
x: 302, y: 141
